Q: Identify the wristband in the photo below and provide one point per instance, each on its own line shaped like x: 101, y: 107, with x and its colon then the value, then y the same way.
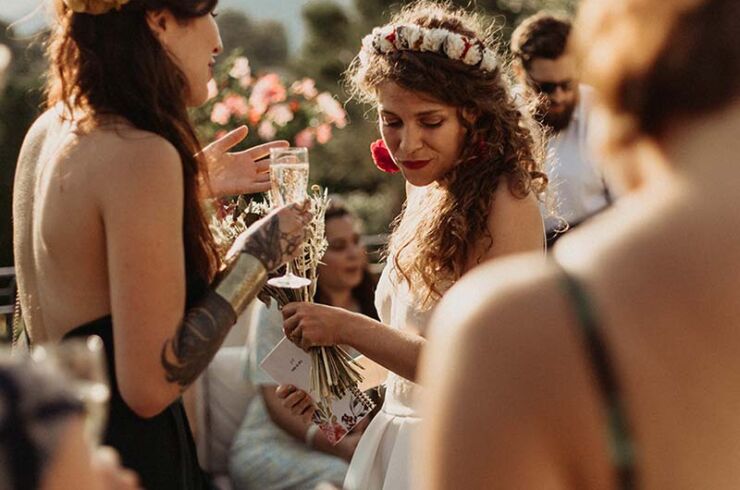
x: 311, y: 434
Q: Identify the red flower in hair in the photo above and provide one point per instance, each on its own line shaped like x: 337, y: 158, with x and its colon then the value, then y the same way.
x: 382, y: 157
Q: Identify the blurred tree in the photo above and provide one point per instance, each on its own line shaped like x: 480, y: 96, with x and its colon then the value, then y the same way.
x: 265, y: 43
x: 344, y: 165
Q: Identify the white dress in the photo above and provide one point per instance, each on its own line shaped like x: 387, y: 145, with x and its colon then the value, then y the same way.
x: 382, y: 459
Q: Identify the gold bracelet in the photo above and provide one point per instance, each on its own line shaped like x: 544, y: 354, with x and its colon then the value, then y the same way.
x: 242, y: 281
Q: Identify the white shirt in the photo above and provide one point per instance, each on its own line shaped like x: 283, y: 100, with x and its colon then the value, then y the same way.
x: 578, y: 185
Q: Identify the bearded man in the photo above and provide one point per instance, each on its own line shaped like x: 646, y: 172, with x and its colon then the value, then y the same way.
x: 548, y: 78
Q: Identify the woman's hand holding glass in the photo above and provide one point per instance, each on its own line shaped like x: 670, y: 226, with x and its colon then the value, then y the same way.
x: 289, y: 184
x: 277, y: 238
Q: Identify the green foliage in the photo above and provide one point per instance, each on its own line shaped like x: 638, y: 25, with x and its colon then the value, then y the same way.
x: 265, y: 43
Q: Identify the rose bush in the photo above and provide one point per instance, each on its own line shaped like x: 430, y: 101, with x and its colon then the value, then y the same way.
x: 270, y: 106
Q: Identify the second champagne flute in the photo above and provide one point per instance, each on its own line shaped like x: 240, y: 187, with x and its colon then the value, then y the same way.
x: 289, y: 184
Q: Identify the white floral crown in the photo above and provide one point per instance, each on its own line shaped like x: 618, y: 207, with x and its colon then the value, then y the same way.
x: 410, y: 37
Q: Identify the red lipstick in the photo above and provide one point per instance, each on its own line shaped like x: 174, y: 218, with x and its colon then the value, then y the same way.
x: 415, y: 164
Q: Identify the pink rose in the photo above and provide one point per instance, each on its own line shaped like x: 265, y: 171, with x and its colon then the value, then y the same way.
x: 266, y: 130
x: 333, y: 109
x: 237, y: 105
x: 280, y: 114
x: 323, y: 134
x: 304, y: 138
x: 220, y: 113
x: 305, y: 87
x: 240, y: 69
x: 268, y: 90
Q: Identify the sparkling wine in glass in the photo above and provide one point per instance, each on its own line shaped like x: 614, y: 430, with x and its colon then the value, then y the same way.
x: 82, y: 363
x: 289, y: 184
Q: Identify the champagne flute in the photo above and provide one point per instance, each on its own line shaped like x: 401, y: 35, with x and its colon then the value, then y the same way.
x: 81, y: 362
x: 289, y: 184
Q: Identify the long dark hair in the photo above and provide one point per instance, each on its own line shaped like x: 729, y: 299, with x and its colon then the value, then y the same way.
x: 113, y: 65
x: 363, y: 293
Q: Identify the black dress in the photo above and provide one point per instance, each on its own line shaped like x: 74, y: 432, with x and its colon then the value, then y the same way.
x: 160, y: 449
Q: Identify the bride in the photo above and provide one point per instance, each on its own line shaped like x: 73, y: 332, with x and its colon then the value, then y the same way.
x: 472, y: 170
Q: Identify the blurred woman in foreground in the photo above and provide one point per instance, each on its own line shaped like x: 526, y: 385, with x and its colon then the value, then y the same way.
x: 110, y: 236
x: 616, y: 366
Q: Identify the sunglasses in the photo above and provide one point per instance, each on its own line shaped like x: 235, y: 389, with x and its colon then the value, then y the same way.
x: 549, y: 88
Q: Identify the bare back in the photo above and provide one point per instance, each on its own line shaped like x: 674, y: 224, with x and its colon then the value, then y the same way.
x: 59, y: 235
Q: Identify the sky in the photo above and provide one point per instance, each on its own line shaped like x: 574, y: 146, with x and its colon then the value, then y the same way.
x: 289, y: 11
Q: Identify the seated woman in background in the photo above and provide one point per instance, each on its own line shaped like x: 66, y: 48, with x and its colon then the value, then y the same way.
x: 273, y: 449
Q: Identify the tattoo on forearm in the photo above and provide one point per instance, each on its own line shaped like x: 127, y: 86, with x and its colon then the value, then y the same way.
x: 269, y: 244
x: 197, y: 339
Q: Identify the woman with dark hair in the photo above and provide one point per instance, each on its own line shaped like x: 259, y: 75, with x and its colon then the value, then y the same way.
x: 110, y: 236
x: 344, y: 278
x: 616, y: 366
x: 274, y: 450
x: 471, y: 164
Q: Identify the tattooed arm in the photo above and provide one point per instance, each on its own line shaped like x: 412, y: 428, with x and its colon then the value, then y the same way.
x: 267, y: 245
x: 158, y: 351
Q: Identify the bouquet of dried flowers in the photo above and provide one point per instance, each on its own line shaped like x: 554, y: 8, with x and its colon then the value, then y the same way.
x: 334, y: 373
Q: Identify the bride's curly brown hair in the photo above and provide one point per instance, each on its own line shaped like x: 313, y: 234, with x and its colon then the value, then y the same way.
x: 431, y: 244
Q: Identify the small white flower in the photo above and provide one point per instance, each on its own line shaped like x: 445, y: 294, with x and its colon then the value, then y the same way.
x: 240, y: 69
x: 280, y: 114
x: 433, y: 39
x: 364, y: 57
x: 454, y: 46
x: 411, y: 35
x: 474, y: 55
x: 266, y: 130
x: 367, y: 42
x: 399, y: 41
x: 490, y: 61
x: 384, y: 45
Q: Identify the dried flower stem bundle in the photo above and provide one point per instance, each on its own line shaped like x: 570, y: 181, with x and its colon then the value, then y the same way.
x: 333, y: 371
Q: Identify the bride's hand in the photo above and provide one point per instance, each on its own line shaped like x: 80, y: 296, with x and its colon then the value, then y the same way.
x: 309, y: 324
x: 240, y: 172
